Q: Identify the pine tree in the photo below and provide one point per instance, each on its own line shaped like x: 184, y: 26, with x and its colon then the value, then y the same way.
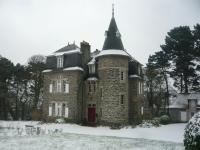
x: 6, y: 72
x: 160, y: 62
x: 179, y: 46
x: 36, y: 65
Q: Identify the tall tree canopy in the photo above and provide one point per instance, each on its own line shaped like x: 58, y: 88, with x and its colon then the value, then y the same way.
x: 6, y: 72
x: 180, y: 47
x: 36, y: 64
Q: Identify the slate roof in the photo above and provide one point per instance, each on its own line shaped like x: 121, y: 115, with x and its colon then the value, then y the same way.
x: 71, y: 55
x: 113, y: 37
x: 181, y: 101
x: 69, y: 47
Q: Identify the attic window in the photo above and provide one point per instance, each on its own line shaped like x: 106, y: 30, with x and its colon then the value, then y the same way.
x: 59, y: 61
x: 92, y: 69
x: 118, y: 34
x: 106, y: 33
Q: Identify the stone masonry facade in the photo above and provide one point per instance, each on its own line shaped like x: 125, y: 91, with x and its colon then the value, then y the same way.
x: 100, y: 87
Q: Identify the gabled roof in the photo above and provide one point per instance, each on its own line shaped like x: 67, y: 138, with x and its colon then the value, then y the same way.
x: 181, y: 101
x: 69, y: 47
x: 113, y: 37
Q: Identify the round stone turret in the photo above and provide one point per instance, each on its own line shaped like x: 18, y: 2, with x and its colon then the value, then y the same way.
x: 113, y: 77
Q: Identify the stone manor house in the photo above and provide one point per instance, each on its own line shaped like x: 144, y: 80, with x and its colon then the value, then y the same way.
x: 100, y: 87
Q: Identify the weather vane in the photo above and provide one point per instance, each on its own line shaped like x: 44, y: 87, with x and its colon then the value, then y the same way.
x: 113, y: 10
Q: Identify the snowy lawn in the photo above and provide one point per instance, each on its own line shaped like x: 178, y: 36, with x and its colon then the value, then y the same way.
x: 72, y: 136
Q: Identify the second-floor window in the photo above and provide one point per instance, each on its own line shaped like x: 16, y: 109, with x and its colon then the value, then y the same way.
x: 65, y: 87
x: 59, y: 61
x: 140, y: 87
x: 92, y: 69
x: 122, y: 75
x: 92, y: 86
x: 59, y: 86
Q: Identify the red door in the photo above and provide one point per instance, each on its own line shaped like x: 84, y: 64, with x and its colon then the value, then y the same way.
x: 91, y: 114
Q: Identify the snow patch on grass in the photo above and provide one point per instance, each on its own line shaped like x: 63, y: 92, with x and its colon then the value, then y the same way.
x: 171, y: 132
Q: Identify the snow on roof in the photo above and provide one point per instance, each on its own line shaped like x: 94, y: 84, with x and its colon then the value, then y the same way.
x: 92, y: 61
x: 73, y: 68
x: 181, y: 100
x: 112, y: 52
x: 48, y: 70
x: 134, y: 76
x: 176, y: 106
x: 67, y: 52
x: 93, y: 55
x: 92, y: 79
x: 132, y: 58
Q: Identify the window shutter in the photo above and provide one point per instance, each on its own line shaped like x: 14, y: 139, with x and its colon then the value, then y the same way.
x: 138, y: 87
x: 56, y: 109
x: 66, y: 112
x: 50, y: 110
x: 50, y: 88
x: 66, y: 88
x: 142, y: 110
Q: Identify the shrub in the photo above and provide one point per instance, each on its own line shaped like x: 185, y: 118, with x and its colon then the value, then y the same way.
x: 60, y: 120
x: 164, y: 119
x: 149, y: 123
x: 116, y: 126
x: 192, y: 133
x: 156, y: 121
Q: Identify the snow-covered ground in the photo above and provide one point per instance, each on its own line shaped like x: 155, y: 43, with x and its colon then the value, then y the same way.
x: 72, y: 136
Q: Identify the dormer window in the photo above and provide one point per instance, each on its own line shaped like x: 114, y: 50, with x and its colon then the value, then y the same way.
x: 59, y: 61
x: 118, y: 34
x: 106, y: 33
x: 92, y: 69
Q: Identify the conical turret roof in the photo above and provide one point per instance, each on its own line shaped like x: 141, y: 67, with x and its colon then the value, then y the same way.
x: 113, y: 36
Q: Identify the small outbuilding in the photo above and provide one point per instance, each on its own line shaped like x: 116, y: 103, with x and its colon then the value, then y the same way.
x: 184, y: 107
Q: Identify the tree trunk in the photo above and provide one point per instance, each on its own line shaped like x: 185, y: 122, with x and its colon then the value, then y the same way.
x: 181, y: 84
x: 186, y: 84
x: 23, y: 111
x: 167, y: 93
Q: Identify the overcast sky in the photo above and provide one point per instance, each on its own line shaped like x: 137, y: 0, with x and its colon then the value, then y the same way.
x: 29, y: 27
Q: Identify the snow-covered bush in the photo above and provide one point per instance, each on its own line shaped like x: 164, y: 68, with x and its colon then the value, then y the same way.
x: 149, y: 123
x: 60, y: 120
x: 164, y: 119
x: 192, y: 133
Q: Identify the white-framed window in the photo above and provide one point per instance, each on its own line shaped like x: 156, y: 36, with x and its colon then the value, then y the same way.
x: 142, y: 110
x: 66, y: 87
x: 50, y: 110
x: 50, y: 88
x: 59, y: 86
x: 59, y: 61
x: 139, y: 88
x: 92, y: 86
x: 66, y: 112
x: 92, y: 69
x: 58, y: 109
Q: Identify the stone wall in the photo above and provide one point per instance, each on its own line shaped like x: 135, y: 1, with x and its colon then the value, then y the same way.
x: 135, y: 101
x: 73, y: 99
x: 109, y: 69
x: 92, y: 98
